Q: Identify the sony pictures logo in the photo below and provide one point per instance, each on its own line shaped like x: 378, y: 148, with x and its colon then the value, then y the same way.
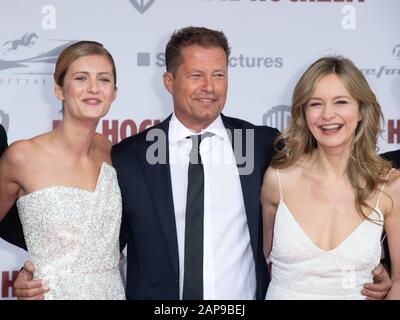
x: 144, y: 59
x: 4, y: 119
x: 142, y: 5
x: 277, y: 117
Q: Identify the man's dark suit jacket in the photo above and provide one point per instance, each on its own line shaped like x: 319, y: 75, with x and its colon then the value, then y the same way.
x: 3, y: 139
x: 10, y: 226
x: 394, y: 157
x: 148, y: 225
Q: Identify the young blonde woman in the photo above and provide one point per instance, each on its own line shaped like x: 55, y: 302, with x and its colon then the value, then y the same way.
x: 66, y: 190
x: 327, y: 195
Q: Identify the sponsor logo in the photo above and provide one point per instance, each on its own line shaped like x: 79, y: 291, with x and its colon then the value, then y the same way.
x: 384, y: 70
x: 243, y: 61
x: 381, y: 71
x: 7, y: 281
x: 145, y: 59
x: 292, y: 1
x: 142, y: 5
x: 277, y: 117
x: 4, y: 119
x: 30, y: 55
x: 396, y: 51
x: 27, y: 40
x: 393, y: 130
x: 117, y: 130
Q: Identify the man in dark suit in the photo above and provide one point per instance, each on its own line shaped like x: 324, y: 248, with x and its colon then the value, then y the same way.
x: 10, y: 227
x: 3, y: 139
x: 154, y: 194
x: 191, y: 185
x: 394, y: 157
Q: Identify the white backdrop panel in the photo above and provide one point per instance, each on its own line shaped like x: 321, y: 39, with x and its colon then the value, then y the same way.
x: 272, y: 41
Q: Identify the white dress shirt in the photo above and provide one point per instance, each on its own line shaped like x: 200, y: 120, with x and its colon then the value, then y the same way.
x: 228, y: 263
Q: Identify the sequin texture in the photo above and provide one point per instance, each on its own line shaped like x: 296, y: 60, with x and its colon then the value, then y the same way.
x: 72, y: 237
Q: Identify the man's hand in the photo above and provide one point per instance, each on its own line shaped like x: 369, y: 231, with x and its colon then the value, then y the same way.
x: 381, y: 286
x: 26, y: 288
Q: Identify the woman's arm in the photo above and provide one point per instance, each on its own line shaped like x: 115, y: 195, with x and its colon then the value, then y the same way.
x: 269, y: 200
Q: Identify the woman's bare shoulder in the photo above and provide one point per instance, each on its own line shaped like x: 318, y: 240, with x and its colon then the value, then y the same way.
x: 393, y: 184
x: 287, y: 176
x: 390, y: 201
x: 270, y: 187
x: 19, y: 152
x: 103, y: 147
x: 299, y: 167
x: 23, y: 152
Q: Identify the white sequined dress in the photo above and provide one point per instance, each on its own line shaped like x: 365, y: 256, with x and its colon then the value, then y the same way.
x: 72, y: 236
x: 303, y: 271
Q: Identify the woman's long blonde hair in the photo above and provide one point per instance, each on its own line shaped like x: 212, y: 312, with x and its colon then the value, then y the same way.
x: 365, y: 168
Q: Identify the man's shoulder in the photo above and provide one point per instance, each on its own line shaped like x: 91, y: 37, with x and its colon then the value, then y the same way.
x: 3, y: 139
x: 138, y: 141
x: 393, y: 156
x: 237, y: 123
x: 3, y: 134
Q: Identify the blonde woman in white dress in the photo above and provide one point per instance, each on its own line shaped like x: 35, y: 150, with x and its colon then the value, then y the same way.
x: 66, y: 190
x: 327, y: 196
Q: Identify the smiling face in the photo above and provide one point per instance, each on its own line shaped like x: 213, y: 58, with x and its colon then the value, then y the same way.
x: 332, y: 114
x: 89, y: 87
x: 199, y: 87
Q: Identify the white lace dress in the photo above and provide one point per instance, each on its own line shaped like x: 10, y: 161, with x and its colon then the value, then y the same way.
x: 72, y: 237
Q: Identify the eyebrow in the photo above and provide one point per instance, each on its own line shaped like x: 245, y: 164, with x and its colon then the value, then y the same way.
x: 202, y: 71
x: 337, y: 97
x: 87, y: 72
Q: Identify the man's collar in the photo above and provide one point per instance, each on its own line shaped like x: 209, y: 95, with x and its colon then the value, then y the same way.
x: 178, y: 132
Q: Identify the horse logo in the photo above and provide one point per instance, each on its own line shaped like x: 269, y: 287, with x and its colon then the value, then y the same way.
x: 27, y: 40
x: 31, y: 53
x: 142, y: 5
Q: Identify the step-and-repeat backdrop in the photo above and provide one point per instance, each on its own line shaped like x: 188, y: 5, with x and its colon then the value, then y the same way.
x: 272, y: 41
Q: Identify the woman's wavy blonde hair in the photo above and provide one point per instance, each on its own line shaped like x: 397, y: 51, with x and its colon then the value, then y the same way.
x: 365, y: 168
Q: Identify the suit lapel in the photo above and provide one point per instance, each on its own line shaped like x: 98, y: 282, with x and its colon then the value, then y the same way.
x: 158, y: 177
x: 249, y: 186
